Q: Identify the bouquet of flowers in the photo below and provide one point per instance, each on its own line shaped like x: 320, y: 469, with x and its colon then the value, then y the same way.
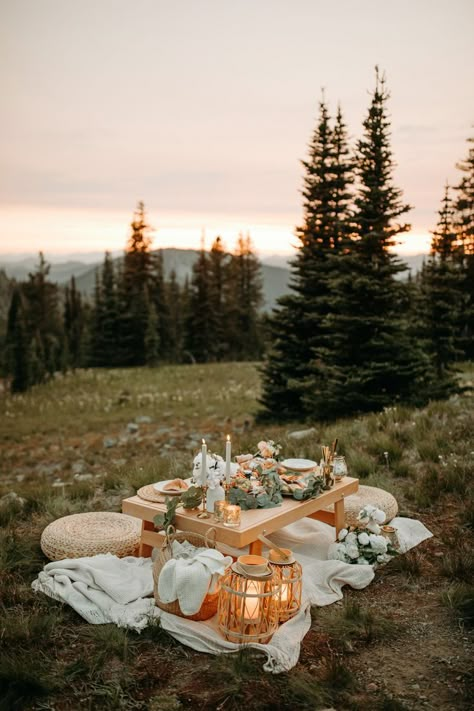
x: 215, y: 469
x: 363, y: 544
x: 268, y: 449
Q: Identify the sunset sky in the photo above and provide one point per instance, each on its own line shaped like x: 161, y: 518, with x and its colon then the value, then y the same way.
x: 204, y: 108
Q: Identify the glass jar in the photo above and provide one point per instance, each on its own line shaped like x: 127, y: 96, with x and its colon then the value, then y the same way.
x: 219, y: 508
x: 232, y: 516
x: 339, y: 467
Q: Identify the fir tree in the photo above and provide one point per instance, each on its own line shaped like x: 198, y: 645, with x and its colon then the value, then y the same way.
x: 244, y: 299
x: 442, y: 299
x: 18, y: 345
x: 218, y: 301
x: 296, y: 326
x: 464, y: 205
x: 158, y: 297
x: 134, y: 290
x: 95, y: 347
x: 199, y: 322
x: 43, y: 321
x: 464, y: 219
x: 368, y: 358
x: 73, y: 325
x: 176, y: 308
x: 152, y: 338
x: 106, y: 320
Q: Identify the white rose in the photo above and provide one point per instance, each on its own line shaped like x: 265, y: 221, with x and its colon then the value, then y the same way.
x: 352, y: 551
x: 378, y: 516
x: 362, y: 561
x: 342, y: 534
x: 363, y: 516
x: 337, y: 552
x: 351, y: 538
x: 378, y: 544
x: 364, y: 539
x: 383, y: 558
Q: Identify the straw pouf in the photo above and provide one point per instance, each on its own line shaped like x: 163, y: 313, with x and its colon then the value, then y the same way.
x: 383, y: 500
x: 88, y: 534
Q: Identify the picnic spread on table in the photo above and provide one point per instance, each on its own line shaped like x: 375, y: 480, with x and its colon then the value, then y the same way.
x: 234, y: 554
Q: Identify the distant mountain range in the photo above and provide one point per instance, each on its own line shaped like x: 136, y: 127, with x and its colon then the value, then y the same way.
x: 275, y: 278
x: 275, y: 270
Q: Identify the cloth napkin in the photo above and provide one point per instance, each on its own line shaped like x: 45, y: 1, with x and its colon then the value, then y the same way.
x: 188, y: 580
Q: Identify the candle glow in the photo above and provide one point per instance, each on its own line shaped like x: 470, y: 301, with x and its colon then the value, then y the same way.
x: 252, y: 604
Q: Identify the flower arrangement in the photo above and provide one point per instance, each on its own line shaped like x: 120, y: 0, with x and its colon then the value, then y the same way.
x: 363, y: 544
x: 268, y: 449
x: 215, y: 469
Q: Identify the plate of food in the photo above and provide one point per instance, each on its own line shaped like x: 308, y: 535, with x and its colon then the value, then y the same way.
x: 291, y: 483
x: 171, y: 487
x: 299, y: 465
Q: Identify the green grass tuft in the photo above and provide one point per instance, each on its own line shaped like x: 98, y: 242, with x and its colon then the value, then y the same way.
x: 460, y: 599
x: 22, y: 684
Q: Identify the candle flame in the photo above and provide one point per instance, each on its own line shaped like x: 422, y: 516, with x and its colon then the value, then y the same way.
x: 228, y: 438
x: 204, y: 441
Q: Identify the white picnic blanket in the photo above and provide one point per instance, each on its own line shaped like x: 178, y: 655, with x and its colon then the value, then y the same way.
x: 102, y: 588
x: 108, y: 589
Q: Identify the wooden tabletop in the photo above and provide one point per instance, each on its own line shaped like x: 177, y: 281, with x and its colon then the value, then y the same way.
x: 253, y: 522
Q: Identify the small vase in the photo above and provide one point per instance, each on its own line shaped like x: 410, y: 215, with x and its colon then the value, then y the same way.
x: 213, y: 495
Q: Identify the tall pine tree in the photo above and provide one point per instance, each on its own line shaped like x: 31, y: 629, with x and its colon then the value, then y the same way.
x: 199, y: 320
x: 244, y: 298
x: 296, y: 326
x: 18, y: 345
x: 368, y: 358
x: 73, y: 325
x: 464, y: 218
x: 106, y: 319
x: 442, y: 297
x: 134, y: 290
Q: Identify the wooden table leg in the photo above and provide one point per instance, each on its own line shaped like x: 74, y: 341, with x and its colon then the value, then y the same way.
x: 255, y: 548
x: 145, y: 550
x: 339, y: 515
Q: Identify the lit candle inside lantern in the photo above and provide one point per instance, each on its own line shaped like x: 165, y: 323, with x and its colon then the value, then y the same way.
x: 284, y: 592
x: 228, y: 450
x: 252, y: 604
x: 204, y: 463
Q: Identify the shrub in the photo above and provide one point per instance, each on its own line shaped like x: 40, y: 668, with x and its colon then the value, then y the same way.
x: 460, y: 599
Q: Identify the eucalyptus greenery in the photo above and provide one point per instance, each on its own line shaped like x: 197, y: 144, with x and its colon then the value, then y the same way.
x: 315, y: 485
x: 267, y: 499
x: 190, y: 499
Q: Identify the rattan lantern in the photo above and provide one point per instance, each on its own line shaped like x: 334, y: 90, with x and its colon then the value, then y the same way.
x: 248, y: 606
x: 290, y: 575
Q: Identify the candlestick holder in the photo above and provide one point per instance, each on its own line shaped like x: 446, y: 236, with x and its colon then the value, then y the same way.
x: 204, y: 513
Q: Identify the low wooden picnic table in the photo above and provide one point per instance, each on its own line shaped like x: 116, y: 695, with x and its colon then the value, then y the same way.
x: 253, y: 523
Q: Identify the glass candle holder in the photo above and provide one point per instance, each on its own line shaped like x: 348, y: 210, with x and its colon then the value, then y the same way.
x: 219, y: 508
x: 339, y: 468
x: 231, y: 516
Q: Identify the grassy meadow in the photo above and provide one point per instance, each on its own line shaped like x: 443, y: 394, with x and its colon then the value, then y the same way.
x: 86, y: 440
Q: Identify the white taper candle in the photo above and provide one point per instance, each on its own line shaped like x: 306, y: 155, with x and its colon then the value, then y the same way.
x: 204, y: 463
x: 228, y: 451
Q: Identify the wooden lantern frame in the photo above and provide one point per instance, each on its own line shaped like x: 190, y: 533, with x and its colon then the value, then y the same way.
x: 290, y: 576
x: 248, y: 607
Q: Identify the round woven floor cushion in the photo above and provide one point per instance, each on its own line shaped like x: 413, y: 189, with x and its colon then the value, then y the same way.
x: 88, y: 534
x: 368, y: 495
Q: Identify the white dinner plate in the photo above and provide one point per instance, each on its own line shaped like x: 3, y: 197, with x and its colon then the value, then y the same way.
x: 299, y: 465
x: 169, y: 492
